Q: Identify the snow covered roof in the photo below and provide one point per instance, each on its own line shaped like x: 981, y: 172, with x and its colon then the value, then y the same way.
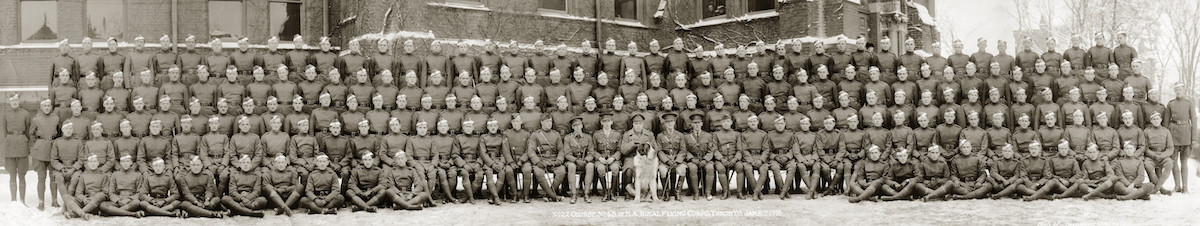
x: 923, y: 13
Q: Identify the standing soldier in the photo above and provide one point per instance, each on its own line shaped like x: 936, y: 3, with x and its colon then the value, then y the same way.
x: 44, y: 129
x: 1183, y: 130
x: 273, y: 59
x: 1099, y: 56
x: 339, y: 147
x: 64, y: 61
x: 408, y: 62
x: 1075, y: 55
x: 164, y: 59
x: 325, y: 59
x: 245, y: 61
x: 89, y: 61
x: 140, y: 60
x: 190, y: 61
x: 299, y: 57
x: 16, y: 143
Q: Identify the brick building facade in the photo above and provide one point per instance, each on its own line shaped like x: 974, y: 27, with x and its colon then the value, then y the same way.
x: 738, y: 22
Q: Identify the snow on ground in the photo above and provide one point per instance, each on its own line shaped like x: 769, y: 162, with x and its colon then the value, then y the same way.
x: 1179, y: 209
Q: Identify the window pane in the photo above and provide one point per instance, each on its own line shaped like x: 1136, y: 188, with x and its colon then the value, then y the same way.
x: 713, y: 8
x: 757, y: 5
x: 225, y: 20
x: 39, y: 20
x: 626, y: 9
x: 285, y: 19
x: 106, y: 18
x: 553, y: 4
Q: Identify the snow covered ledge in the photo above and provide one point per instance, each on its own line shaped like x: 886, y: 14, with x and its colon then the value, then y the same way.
x: 745, y: 18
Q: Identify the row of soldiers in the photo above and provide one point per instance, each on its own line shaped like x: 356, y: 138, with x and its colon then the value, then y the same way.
x: 590, y: 100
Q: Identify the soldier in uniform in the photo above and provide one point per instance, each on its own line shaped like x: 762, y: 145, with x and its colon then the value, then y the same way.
x: 322, y: 193
x: 198, y: 192
x: 442, y: 147
x: 90, y: 191
x: 671, y: 157
x: 496, y: 155
x: 303, y: 149
x: 160, y: 196
x: 367, y: 185
x: 1061, y: 172
x: 1006, y: 174
x: 68, y: 164
x: 362, y: 88
x: 124, y: 189
x: 245, y: 187
x: 62, y: 155
x: 933, y: 179
x: 1129, y: 172
x: 903, y: 174
x: 214, y: 143
x: 782, y: 148
x: 517, y: 138
x: 699, y: 152
x: 869, y: 176
x: 157, y: 145
x: 968, y: 173
x: 336, y: 89
x: 636, y: 142
x: 44, y: 129
x: 1160, y: 148
x: 578, y: 148
x: 274, y: 142
x: 752, y: 143
x: 405, y: 184
x: 606, y: 156
x: 1098, y: 178
x: 543, y: 151
x: 1183, y: 131
x: 187, y: 144
x: 465, y: 156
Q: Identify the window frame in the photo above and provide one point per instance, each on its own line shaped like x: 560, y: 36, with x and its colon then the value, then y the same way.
x: 242, y: 22
x: 774, y: 7
x: 637, y: 11
x: 722, y: 16
x: 565, y: 11
x: 284, y: 40
x: 124, y: 18
x: 20, y: 15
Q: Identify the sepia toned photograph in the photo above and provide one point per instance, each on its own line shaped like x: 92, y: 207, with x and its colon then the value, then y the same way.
x: 599, y: 112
